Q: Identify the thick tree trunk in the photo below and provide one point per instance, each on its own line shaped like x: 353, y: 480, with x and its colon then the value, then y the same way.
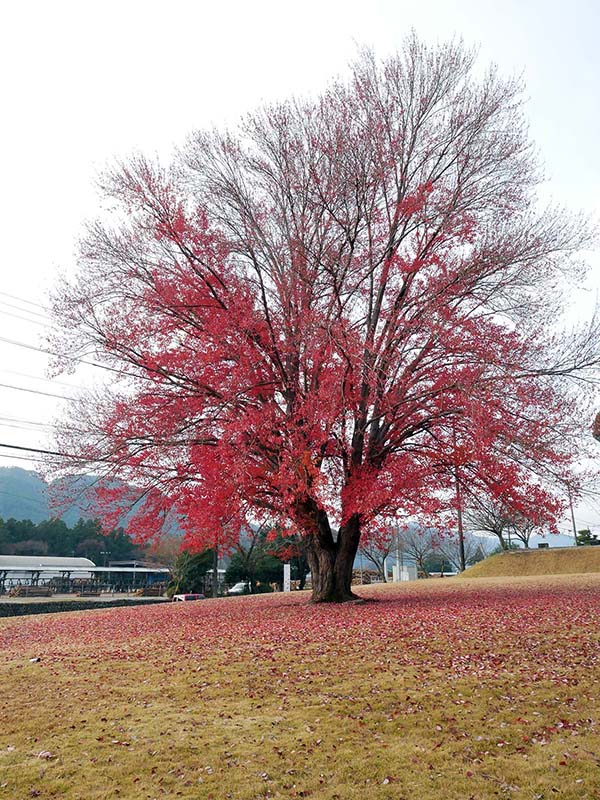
x: 331, y: 562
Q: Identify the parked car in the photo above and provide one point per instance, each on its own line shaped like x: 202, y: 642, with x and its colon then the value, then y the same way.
x: 186, y: 597
x: 239, y: 588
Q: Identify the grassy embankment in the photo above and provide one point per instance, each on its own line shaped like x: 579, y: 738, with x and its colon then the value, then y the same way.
x: 454, y: 689
x: 553, y: 561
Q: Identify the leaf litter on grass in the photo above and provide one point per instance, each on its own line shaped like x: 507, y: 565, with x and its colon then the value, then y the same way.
x: 441, y: 687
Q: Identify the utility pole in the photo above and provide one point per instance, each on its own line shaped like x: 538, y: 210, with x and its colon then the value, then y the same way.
x: 572, y: 513
x: 461, y: 533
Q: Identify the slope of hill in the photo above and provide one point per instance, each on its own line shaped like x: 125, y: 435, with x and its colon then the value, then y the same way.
x: 555, y: 561
x: 24, y: 495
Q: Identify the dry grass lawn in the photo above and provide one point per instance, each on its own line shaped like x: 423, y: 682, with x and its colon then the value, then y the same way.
x: 453, y: 689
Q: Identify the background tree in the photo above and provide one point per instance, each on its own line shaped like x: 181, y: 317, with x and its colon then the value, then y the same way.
x: 289, y: 549
x: 378, y: 548
x: 244, y: 560
x: 28, y: 547
x: 188, y: 573
x: 476, y: 548
x: 313, y: 316
x: 258, y: 559
x: 529, y: 508
x: 91, y: 548
x: 13, y: 532
x: 522, y: 528
x: 57, y: 536
x: 88, y: 540
x: 164, y: 551
x: 489, y: 516
x: 587, y: 537
x: 259, y: 571
x: 54, y: 538
x: 500, y: 549
x: 420, y: 545
x: 238, y: 569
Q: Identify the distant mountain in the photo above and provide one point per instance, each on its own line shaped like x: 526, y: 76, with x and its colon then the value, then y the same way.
x: 24, y: 495
x: 77, y: 502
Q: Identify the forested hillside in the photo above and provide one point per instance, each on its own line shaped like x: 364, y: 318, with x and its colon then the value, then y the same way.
x: 55, y: 538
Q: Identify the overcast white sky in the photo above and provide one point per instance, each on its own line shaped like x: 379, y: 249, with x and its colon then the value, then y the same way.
x: 86, y: 82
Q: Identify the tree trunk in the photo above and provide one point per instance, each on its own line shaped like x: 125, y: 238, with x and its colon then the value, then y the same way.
x: 331, y: 562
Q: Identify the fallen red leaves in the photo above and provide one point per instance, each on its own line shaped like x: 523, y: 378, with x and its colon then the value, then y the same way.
x: 545, y: 631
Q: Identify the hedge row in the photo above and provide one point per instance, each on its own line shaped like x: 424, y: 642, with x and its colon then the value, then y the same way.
x: 55, y: 607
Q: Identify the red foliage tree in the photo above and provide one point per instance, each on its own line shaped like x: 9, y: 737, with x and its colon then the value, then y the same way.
x: 317, y: 320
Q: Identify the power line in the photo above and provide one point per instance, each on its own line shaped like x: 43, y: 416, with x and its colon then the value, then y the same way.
x: 20, y: 427
x: 35, y: 450
x: 25, y: 319
x: 41, y: 452
x: 18, y: 458
x: 77, y: 358
x: 71, y: 358
x: 35, y: 391
x: 26, y: 310
x: 28, y: 346
x: 31, y: 425
x: 24, y: 421
x: 38, y: 378
x: 105, y: 459
x: 22, y: 299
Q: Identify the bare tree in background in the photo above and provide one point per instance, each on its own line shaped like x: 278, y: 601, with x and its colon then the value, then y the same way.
x: 523, y: 529
x: 476, y: 548
x: 378, y: 549
x: 420, y: 545
x: 504, y: 522
x: 488, y: 517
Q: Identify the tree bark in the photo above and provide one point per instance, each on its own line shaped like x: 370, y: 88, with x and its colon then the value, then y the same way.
x: 331, y: 562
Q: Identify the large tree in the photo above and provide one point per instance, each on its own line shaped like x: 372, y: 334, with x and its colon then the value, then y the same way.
x: 318, y: 320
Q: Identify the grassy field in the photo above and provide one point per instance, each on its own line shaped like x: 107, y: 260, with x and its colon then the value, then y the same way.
x: 554, y: 561
x: 442, y: 688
